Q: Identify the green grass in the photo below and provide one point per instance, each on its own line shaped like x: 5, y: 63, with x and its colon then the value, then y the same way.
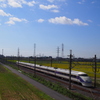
x: 13, y: 87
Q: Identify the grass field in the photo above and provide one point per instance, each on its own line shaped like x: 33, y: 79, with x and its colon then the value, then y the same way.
x: 13, y: 87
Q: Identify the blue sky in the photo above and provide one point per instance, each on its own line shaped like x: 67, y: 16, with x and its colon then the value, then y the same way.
x: 48, y: 24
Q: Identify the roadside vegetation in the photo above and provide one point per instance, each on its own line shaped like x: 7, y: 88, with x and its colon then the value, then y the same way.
x: 13, y: 87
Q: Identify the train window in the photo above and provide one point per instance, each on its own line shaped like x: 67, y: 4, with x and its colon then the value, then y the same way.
x: 50, y: 70
x: 83, y: 75
x: 73, y: 76
x: 63, y: 73
x: 38, y: 68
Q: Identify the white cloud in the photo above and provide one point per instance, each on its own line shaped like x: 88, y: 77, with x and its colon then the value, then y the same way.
x: 12, y: 20
x: 65, y: 20
x: 56, y: 0
x: 47, y: 7
x: 16, y: 3
x: 2, y: 0
x: 60, y: 20
x: 90, y: 21
x: 2, y: 13
x: 50, y: 1
x: 31, y: 3
x: 81, y: 2
x: 55, y: 11
x: 78, y: 22
x: 61, y: 0
x: 40, y: 20
x: 93, y: 2
x: 3, y: 5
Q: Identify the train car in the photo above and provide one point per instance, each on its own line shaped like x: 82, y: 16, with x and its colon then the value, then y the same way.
x: 77, y: 76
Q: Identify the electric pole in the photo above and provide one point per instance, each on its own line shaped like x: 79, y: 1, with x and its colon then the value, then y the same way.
x: 95, y: 70
x: 57, y: 52
x: 62, y: 50
x: 18, y: 57
x: 70, y: 66
x: 34, y: 56
x: 34, y: 50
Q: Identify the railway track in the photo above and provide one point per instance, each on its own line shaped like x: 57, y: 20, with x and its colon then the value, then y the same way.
x: 90, y: 92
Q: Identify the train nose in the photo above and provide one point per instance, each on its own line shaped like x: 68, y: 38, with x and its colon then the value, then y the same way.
x: 88, y: 81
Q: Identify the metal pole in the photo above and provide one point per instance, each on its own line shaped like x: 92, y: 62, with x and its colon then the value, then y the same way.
x: 29, y: 59
x: 34, y: 65
x: 70, y: 65
x: 18, y: 58
x: 95, y: 69
x: 51, y: 61
x: 34, y: 50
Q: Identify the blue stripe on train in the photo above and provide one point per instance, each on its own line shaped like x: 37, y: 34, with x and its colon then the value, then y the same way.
x: 81, y: 80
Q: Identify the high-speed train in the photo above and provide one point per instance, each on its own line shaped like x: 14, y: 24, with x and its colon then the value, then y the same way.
x: 76, y: 76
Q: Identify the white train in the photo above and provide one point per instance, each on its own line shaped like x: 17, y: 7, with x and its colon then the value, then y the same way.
x: 76, y: 76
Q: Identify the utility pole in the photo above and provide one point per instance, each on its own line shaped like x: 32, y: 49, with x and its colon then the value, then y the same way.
x: 34, y: 50
x: 51, y: 61
x: 34, y: 66
x: 18, y: 57
x: 2, y: 56
x: 29, y: 59
x: 95, y: 71
x: 62, y: 50
x: 70, y: 66
x: 57, y: 52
